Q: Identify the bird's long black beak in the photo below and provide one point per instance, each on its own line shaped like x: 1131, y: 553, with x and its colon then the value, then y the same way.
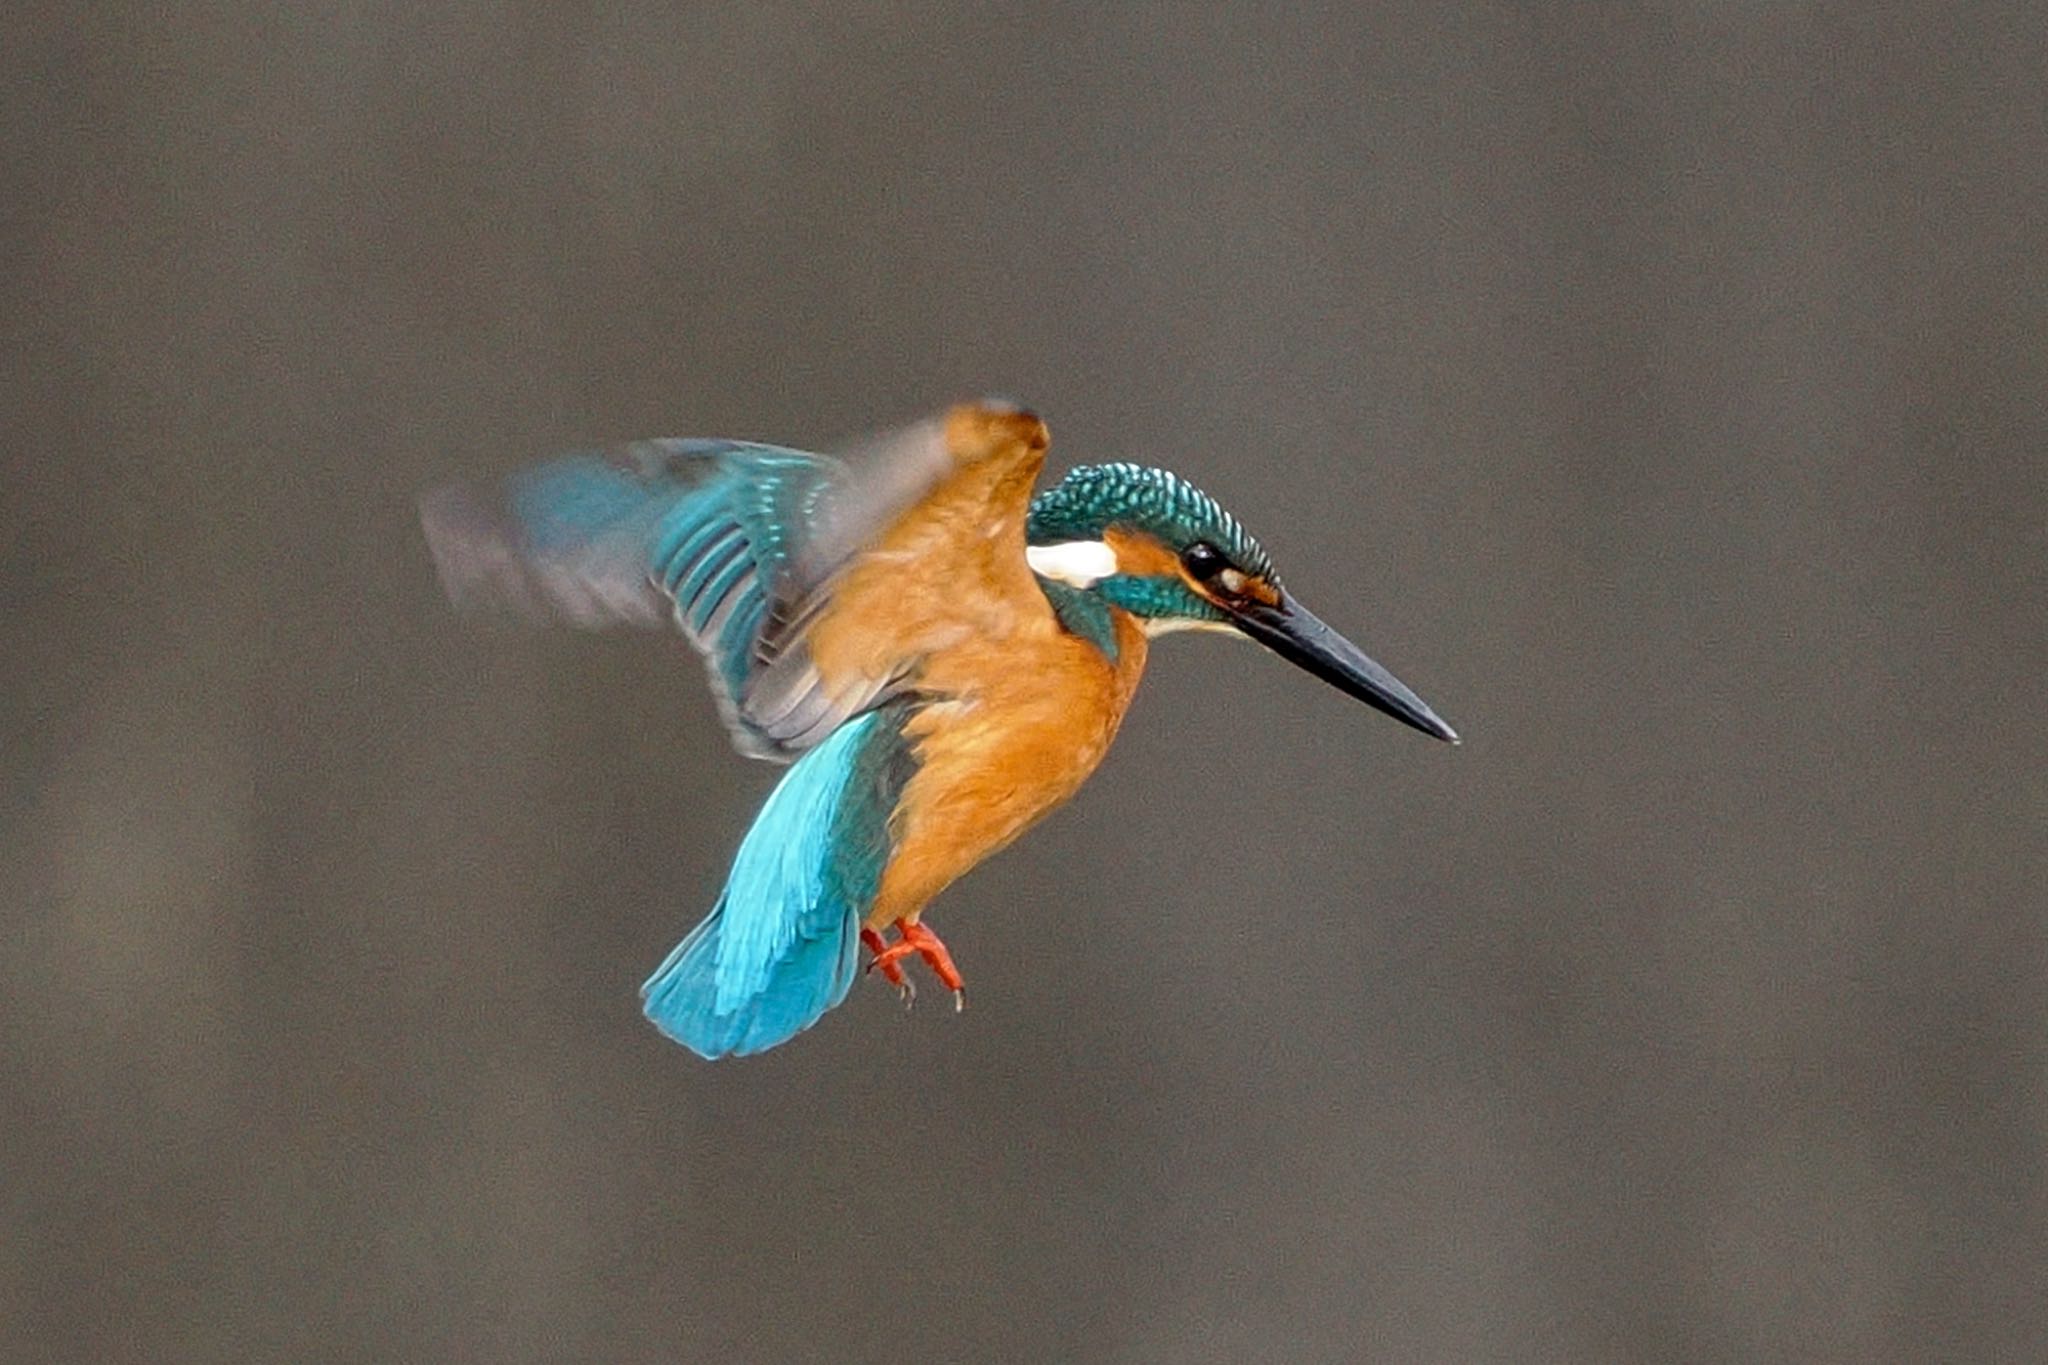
x: 1294, y: 633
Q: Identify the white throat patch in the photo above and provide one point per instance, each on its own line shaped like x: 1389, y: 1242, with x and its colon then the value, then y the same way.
x: 1076, y: 563
x: 1156, y: 626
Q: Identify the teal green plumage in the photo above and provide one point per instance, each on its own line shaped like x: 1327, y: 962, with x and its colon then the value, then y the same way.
x: 1093, y: 498
x: 1082, y: 613
x: 704, y: 533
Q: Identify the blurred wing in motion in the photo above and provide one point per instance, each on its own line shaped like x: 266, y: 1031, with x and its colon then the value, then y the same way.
x: 739, y: 544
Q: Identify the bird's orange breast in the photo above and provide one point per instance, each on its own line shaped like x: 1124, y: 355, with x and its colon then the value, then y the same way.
x: 1015, y: 727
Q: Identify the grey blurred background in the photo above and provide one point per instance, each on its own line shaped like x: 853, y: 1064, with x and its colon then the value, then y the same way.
x: 1659, y: 388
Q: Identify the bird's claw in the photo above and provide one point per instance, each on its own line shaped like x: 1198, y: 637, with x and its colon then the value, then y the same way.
x: 916, y: 938
x: 891, y: 972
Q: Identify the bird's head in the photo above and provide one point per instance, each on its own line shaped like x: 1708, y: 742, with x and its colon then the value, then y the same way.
x: 1153, y: 544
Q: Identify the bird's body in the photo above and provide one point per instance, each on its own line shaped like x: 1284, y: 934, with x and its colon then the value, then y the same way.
x: 1014, y: 711
x: 945, y: 659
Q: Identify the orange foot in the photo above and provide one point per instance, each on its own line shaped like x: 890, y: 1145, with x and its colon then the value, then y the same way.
x: 891, y: 971
x: 922, y: 941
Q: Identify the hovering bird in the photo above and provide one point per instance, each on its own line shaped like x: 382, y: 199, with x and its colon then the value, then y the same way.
x: 940, y: 656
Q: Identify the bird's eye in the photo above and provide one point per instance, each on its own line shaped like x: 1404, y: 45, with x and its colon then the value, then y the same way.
x: 1203, y: 561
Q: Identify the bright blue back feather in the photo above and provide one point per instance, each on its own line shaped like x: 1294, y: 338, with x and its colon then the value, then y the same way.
x: 782, y: 944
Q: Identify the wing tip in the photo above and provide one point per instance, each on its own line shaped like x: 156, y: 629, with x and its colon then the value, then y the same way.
x: 994, y: 426
x: 471, y: 548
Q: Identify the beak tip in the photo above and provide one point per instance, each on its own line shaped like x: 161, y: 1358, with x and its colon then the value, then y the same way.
x: 1296, y: 635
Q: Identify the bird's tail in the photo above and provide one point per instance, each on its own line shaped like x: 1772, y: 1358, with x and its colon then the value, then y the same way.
x: 782, y: 945
x: 682, y: 997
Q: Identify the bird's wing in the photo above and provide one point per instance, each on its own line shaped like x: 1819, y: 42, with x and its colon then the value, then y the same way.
x: 743, y: 546
x: 943, y: 565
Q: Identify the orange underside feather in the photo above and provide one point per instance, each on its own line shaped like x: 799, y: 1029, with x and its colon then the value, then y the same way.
x: 1026, y: 720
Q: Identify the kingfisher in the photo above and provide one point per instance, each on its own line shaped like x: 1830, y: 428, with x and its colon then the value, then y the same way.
x: 938, y: 654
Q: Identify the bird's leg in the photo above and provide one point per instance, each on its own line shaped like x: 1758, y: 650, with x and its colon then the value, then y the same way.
x: 922, y: 941
x: 891, y: 971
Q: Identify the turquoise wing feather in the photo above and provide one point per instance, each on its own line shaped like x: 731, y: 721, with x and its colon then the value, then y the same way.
x: 734, y: 542
x: 781, y: 946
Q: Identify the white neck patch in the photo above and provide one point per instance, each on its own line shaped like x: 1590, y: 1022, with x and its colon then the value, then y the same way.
x: 1076, y: 563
